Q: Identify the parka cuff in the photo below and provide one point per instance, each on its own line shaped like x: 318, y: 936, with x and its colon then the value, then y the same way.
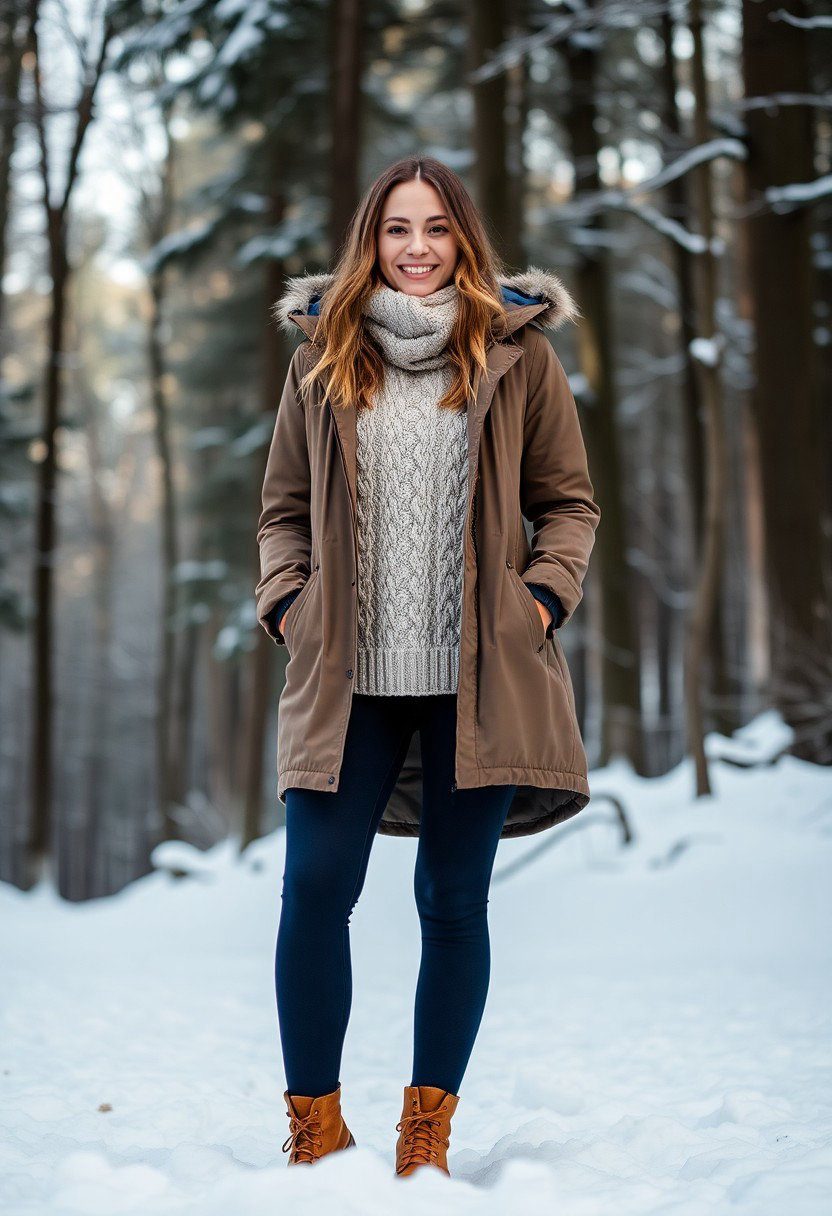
x: 552, y: 602
x: 275, y: 615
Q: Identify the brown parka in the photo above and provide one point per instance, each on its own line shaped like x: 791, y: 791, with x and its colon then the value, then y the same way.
x: 516, y: 721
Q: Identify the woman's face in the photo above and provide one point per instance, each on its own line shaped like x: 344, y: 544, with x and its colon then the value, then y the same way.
x: 414, y: 233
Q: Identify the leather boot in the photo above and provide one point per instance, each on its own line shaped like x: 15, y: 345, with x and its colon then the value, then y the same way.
x: 424, y: 1128
x: 317, y: 1127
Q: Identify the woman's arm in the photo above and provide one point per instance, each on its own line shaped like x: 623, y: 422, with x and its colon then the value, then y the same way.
x: 556, y: 493
x: 284, y: 533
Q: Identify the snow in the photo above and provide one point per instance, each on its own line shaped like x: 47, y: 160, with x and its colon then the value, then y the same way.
x: 758, y: 742
x: 656, y: 1038
x: 707, y: 350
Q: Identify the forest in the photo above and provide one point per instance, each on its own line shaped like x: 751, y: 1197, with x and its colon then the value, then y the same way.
x: 165, y: 166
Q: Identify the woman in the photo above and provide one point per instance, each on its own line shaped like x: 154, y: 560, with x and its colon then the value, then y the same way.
x: 424, y: 416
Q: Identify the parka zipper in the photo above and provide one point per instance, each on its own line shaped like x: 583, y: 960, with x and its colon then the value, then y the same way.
x: 353, y: 523
x: 474, y: 528
x: 473, y: 531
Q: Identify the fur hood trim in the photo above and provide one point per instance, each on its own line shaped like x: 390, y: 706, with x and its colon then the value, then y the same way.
x: 303, y: 293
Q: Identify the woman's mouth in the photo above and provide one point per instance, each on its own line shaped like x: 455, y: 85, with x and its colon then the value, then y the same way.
x: 417, y: 272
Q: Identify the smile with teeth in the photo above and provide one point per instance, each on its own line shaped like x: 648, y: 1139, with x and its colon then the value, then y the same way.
x: 414, y: 271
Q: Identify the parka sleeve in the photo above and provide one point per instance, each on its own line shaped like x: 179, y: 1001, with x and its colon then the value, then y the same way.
x: 284, y: 533
x: 556, y: 494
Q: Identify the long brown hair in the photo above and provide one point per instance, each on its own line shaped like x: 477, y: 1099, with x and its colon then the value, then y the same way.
x: 353, y: 361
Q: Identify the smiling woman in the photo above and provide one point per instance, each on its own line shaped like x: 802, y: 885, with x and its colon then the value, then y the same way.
x: 424, y: 417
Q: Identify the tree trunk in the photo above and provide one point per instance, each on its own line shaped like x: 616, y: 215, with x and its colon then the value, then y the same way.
x: 12, y: 45
x: 516, y: 120
x: 487, y: 25
x: 46, y: 479
x: 786, y: 401
x: 168, y: 556
x: 345, y: 114
x: 620, y: 666
x: 707, y: 367
x: 40, y: 825
x: 97, y: 736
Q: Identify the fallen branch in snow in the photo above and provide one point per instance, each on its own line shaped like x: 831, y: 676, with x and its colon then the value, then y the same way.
x: 678, y: 848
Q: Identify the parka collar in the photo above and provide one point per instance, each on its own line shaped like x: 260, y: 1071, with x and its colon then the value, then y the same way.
x: 533, y: 295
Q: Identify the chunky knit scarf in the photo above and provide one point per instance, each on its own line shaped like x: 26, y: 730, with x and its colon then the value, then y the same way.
x: 412, y: 331
x: 412, y: 474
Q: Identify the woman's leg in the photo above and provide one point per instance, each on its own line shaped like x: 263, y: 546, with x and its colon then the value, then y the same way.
x: 328, y: 843
x: 458, y: 838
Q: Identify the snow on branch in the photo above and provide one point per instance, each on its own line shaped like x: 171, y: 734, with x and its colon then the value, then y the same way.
x: 691, y: 241
x: 802, y: 23
x: 734, y: 149
x: 765, y: 101
x: 631, y: 200
x: 800, y: 192
x: 584, y: 24
x: 178, y: 245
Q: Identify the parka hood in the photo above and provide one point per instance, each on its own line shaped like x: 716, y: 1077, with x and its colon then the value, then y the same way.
x: 541, y: 291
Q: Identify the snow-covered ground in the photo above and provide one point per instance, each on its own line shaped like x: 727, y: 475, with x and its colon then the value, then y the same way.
x: 657, y: 1037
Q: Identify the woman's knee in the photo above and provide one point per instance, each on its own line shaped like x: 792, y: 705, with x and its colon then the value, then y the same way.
x: 449, y: 897
x: 316, y: 884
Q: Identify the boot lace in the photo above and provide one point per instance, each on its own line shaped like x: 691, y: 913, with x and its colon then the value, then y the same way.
x: 304, y: 1137
x: 421, y: 1137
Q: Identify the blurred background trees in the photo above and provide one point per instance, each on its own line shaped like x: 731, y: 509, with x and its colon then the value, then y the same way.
x: 165, y: 165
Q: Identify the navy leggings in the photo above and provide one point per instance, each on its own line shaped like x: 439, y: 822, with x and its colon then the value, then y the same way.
x: 328, y: 842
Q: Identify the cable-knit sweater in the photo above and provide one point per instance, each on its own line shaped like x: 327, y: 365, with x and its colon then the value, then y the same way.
x: 412, y: 483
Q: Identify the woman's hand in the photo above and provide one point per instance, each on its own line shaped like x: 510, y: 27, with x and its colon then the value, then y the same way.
x: 282, y: 619
x: 545, y: 614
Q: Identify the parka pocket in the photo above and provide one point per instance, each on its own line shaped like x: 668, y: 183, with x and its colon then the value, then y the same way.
x: 537, y: 628
x: 296, y: 606
x: 559, y: 657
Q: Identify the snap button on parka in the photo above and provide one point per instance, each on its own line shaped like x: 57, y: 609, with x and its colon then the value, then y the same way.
x: 516, y: 718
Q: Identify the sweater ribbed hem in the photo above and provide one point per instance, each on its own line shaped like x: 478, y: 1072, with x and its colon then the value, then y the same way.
x: 402, y: 672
